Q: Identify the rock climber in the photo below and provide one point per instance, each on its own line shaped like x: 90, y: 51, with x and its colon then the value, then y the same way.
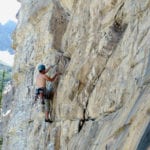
x: 41, y: 90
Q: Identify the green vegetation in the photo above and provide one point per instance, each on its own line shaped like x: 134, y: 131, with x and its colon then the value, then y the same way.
x: 1, y: 85
x: 5, y: 76
x: 1, y: 142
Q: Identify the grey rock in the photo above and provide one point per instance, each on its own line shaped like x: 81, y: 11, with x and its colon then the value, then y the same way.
x: 101, y: 100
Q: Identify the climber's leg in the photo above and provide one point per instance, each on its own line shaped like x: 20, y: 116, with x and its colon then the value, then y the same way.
x: 47, y: 110
x: 41, y: 95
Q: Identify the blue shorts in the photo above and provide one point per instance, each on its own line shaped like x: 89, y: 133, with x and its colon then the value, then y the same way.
x: 40, y: 91
x: 47, y: 94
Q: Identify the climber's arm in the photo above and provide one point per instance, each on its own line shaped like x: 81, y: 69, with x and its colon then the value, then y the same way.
x: 53, y: 78
x: 47, y: 69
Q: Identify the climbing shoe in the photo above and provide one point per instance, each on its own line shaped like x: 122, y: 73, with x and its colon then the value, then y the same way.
x: 48, y: 120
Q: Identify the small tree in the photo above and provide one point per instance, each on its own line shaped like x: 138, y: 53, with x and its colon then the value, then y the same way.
x: 2, y: 85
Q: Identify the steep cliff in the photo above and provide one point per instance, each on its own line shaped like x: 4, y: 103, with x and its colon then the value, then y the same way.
x: 102, y: 99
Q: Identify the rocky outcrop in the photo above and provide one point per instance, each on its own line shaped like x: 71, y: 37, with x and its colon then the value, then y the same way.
x: 101, y: 101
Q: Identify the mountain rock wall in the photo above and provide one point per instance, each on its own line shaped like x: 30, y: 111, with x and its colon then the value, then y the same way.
x: 101, y: 100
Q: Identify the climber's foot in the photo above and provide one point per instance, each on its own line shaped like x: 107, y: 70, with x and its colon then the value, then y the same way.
x: 48, y: 120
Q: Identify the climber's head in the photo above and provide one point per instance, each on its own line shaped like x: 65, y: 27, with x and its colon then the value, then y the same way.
x: 41, y: 68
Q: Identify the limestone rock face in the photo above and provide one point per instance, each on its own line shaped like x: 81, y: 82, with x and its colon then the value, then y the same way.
x: 101, y: 100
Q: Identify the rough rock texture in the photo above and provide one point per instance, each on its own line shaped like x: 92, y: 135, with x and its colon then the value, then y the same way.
x: 102, y: 99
